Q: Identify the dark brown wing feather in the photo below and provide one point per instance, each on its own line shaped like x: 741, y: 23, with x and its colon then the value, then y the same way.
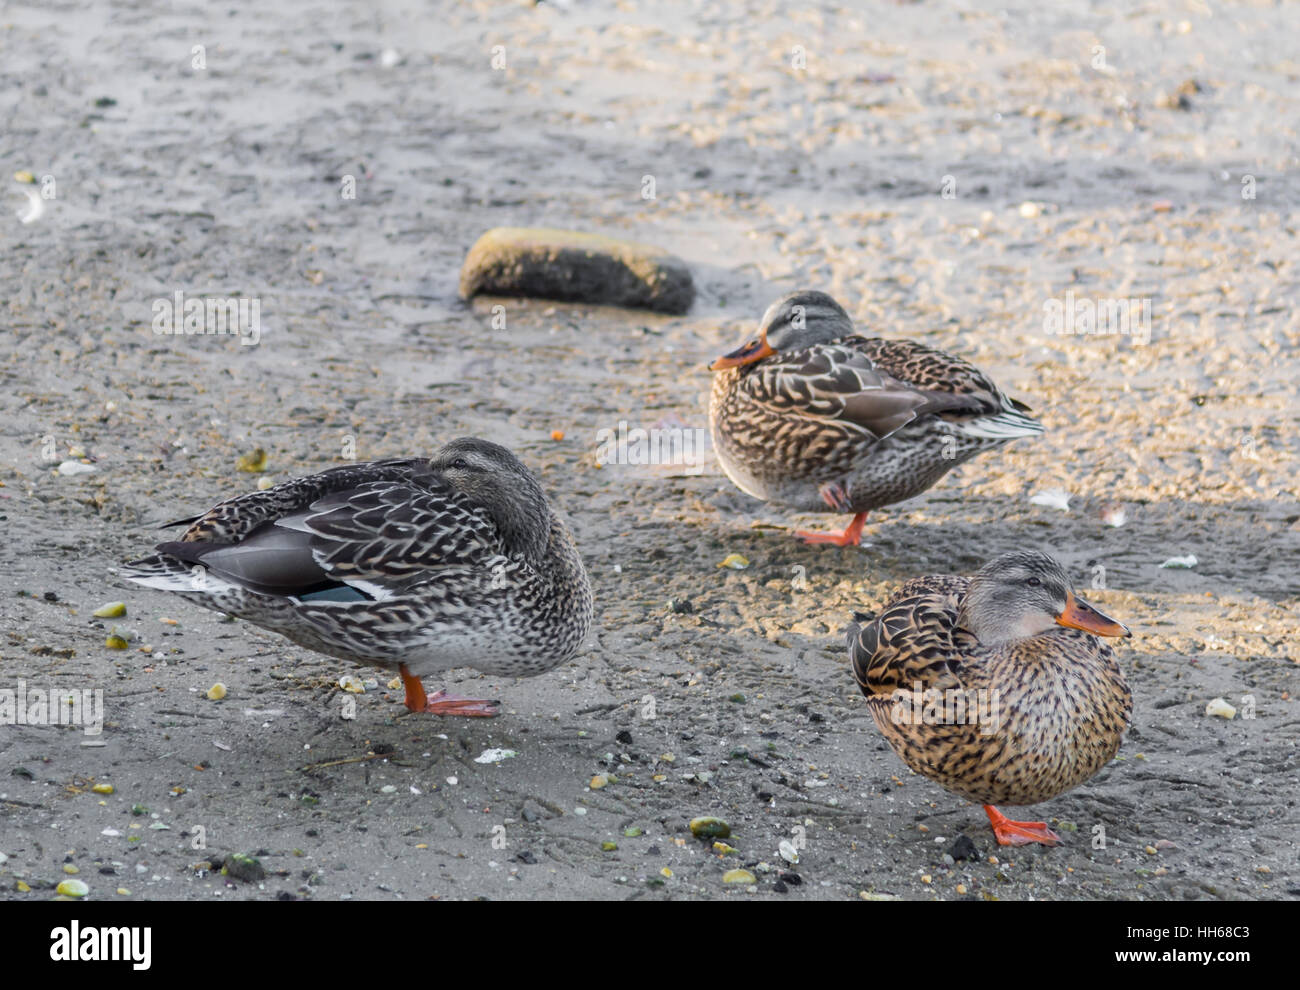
x: 930, y: 370
x: 915, y: 639
x: 387, y: 524
x: 841, y: 382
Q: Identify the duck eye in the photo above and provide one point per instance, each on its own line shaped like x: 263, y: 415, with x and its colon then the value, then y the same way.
x: 1033, y: 582
x: 460, y: 464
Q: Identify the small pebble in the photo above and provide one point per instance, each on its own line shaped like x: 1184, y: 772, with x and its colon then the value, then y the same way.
x: 963, y: 847
x: 70, y: 869
x: 113, y: 610
x: 495, y: 755
x: 710, y: 828
x: 1114, y: 515
x: 115, y: 642
x: 739, y: 876
x: 216, y: 692
x: 735, y: 562
x: 1220, y: 708
x: 608, y: 847
x: 102, y: 788
x: 352, y: 684
x: 252, y: 463
x: 599, y: 781
x: 241, y: 866
x: 70, y: 888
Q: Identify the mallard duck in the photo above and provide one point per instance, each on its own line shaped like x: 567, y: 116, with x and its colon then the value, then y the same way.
x: 810, y: 415
x: 995, y: 686
x: 417, y: 565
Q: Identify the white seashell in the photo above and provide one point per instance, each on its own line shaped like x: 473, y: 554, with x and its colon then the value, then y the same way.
x: 1053, y: 498
x: 1220, y: 708
x: 495, y: 755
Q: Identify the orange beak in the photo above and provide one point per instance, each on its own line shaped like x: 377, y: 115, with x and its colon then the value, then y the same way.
x: 755, y: 350
x: 1078, y: 614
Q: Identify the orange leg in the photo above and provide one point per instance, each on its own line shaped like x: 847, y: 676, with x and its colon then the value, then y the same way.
x: 851, y: 536
x: 1011, y: 833
x: 441, y: 703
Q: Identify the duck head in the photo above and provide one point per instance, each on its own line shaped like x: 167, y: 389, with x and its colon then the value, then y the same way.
x: 794, y: 321
x: 1024, y: 593
x: 496, y: 480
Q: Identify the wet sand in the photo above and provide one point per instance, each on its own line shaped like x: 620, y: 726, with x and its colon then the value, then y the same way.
x: 1114, y: 179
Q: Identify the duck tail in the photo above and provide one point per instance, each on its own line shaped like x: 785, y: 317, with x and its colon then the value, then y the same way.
x: 169, y: 574
x: 1008, y: 424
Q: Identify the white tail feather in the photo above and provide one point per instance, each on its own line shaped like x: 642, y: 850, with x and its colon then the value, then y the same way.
x: 1005, y: 425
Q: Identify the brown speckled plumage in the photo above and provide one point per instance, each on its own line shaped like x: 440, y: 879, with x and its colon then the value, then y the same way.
x: 427, y: 563
x: 1061, y: 702
x: 875, y: 421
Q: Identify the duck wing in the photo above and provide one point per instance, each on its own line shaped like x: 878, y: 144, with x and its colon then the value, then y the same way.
x: 983, y: 409
x: 842, y: 384
x: 914, y: 640
x: 369, y: 531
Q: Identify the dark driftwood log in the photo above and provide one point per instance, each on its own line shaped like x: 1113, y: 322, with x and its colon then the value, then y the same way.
x: 575, y: 267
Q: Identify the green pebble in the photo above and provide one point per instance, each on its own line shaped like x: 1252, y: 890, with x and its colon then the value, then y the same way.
x: 710, y: 828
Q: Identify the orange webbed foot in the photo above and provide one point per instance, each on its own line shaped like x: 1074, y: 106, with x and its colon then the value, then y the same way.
x: 1009, y: 833
x: 442, y: 703
x: 850, y: 537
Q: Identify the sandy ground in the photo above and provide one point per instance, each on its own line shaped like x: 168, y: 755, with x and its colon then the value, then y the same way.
x: 226, y: 180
